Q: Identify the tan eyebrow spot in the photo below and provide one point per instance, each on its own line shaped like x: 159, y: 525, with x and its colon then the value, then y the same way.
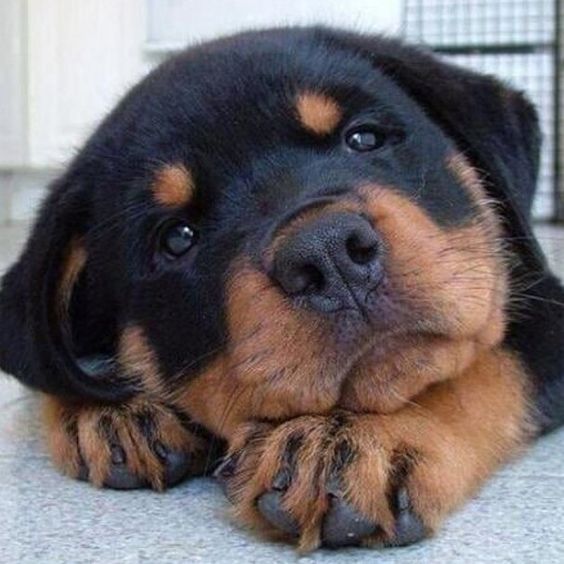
x: 173, y: 186
x: 318, y: 113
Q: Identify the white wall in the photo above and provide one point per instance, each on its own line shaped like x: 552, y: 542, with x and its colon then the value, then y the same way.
x: 174, y: 22
x: 65, y: 63
x: 12, y: 83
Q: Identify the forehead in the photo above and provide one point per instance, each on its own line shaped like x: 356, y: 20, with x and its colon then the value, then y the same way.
x: 240, y: 83
x: 249, y: 113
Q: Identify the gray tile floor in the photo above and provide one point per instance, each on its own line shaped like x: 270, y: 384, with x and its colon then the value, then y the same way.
x: 518, y: 517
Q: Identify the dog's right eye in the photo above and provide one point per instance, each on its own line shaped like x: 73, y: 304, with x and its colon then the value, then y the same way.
x: 177, y: 238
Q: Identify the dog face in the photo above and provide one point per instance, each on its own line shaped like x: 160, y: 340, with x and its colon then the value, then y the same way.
x: 279, y: 212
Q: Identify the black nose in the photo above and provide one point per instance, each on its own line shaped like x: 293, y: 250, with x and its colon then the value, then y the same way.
x: 333, y: 261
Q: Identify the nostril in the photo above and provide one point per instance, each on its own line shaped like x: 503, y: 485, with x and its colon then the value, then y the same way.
x: 361, y: 251
x: 305, y: 279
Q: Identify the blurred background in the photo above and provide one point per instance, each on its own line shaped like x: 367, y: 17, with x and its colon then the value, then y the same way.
x: 65, y: 63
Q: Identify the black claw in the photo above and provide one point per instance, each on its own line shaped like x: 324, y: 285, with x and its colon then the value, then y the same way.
x: 118, y: 455
x: 225, y: 471
x: 121, y: 478
x: 344, y: 525
x: 409, y: 528
x: 177, y: 466
x: 282, y: 480
x: 270, y: 505
x: 161, y: 451
x: 83, y: 472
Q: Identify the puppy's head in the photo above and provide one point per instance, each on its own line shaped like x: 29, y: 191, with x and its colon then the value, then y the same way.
x: 287, y: 209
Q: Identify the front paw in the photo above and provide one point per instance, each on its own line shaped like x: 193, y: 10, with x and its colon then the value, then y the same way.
x: 343, y: 480
x: 139, y: 444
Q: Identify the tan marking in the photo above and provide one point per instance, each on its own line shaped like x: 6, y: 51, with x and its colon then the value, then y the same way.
x: 460, y: 273
x: 58, y: 421
x: 409, y: 368
x: 73, y: 265
x: 466, y: 174
x: 461, y: 270
x: 318, y: 113
x: 452, y: 438
x: 469, y: 178
x: 173, y: 186
x: 138, y: 360
x: 457, y: 282
x: 74, y: 431
x: 482, y: 419
x: 258, y: 376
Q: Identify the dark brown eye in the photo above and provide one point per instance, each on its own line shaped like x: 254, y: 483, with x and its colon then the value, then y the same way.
x: 177, y: 238
x: 365, y: 138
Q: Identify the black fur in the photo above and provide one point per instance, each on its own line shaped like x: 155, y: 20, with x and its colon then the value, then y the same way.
x: 222, y: 109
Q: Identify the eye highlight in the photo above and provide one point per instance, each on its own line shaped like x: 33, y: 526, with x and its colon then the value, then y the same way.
x: 363, y: 138
x: 177, y: 238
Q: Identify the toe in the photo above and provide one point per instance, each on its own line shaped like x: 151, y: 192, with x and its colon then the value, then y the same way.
x: 344, y: 525
x: 82, y: 472
x: 177, y: 465
x: 270, y: 503
x: 409, y: 528
x: 270, y: 506
x: 224, y: 472
x: 121, y: 478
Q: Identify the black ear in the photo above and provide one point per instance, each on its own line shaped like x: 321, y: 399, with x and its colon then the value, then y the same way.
x: 497, y: 129
x: 47, y: 339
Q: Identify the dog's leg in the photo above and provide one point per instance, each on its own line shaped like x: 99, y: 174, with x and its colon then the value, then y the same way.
x: 349, y: 478
x: 141, y: 443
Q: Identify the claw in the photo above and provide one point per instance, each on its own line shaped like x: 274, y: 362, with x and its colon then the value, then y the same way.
x: 177, y: 465
x: 345, y: 526
x: 224, y: 472
x: 121, y: 478
x: 270, y: 505
x: 117, y: 455
x: 409, y: 528
x: 282, y: 480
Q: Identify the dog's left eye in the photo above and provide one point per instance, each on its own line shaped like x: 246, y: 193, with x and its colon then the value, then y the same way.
x: 365, y: 138
x: 177, y: 238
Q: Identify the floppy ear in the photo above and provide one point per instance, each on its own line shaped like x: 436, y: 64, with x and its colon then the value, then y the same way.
x: 47, y: 339
x: 497, y: 129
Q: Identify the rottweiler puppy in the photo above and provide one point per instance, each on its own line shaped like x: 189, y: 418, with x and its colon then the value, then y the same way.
x: 307, y: 251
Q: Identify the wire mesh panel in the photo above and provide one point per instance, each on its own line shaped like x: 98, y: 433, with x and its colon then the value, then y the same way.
x: 513, y: 39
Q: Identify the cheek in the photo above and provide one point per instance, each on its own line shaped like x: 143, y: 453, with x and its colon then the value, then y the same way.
x: 274, y: 364
x: 276, y: 349
x: 453, y: 283
x: 450, y: 281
